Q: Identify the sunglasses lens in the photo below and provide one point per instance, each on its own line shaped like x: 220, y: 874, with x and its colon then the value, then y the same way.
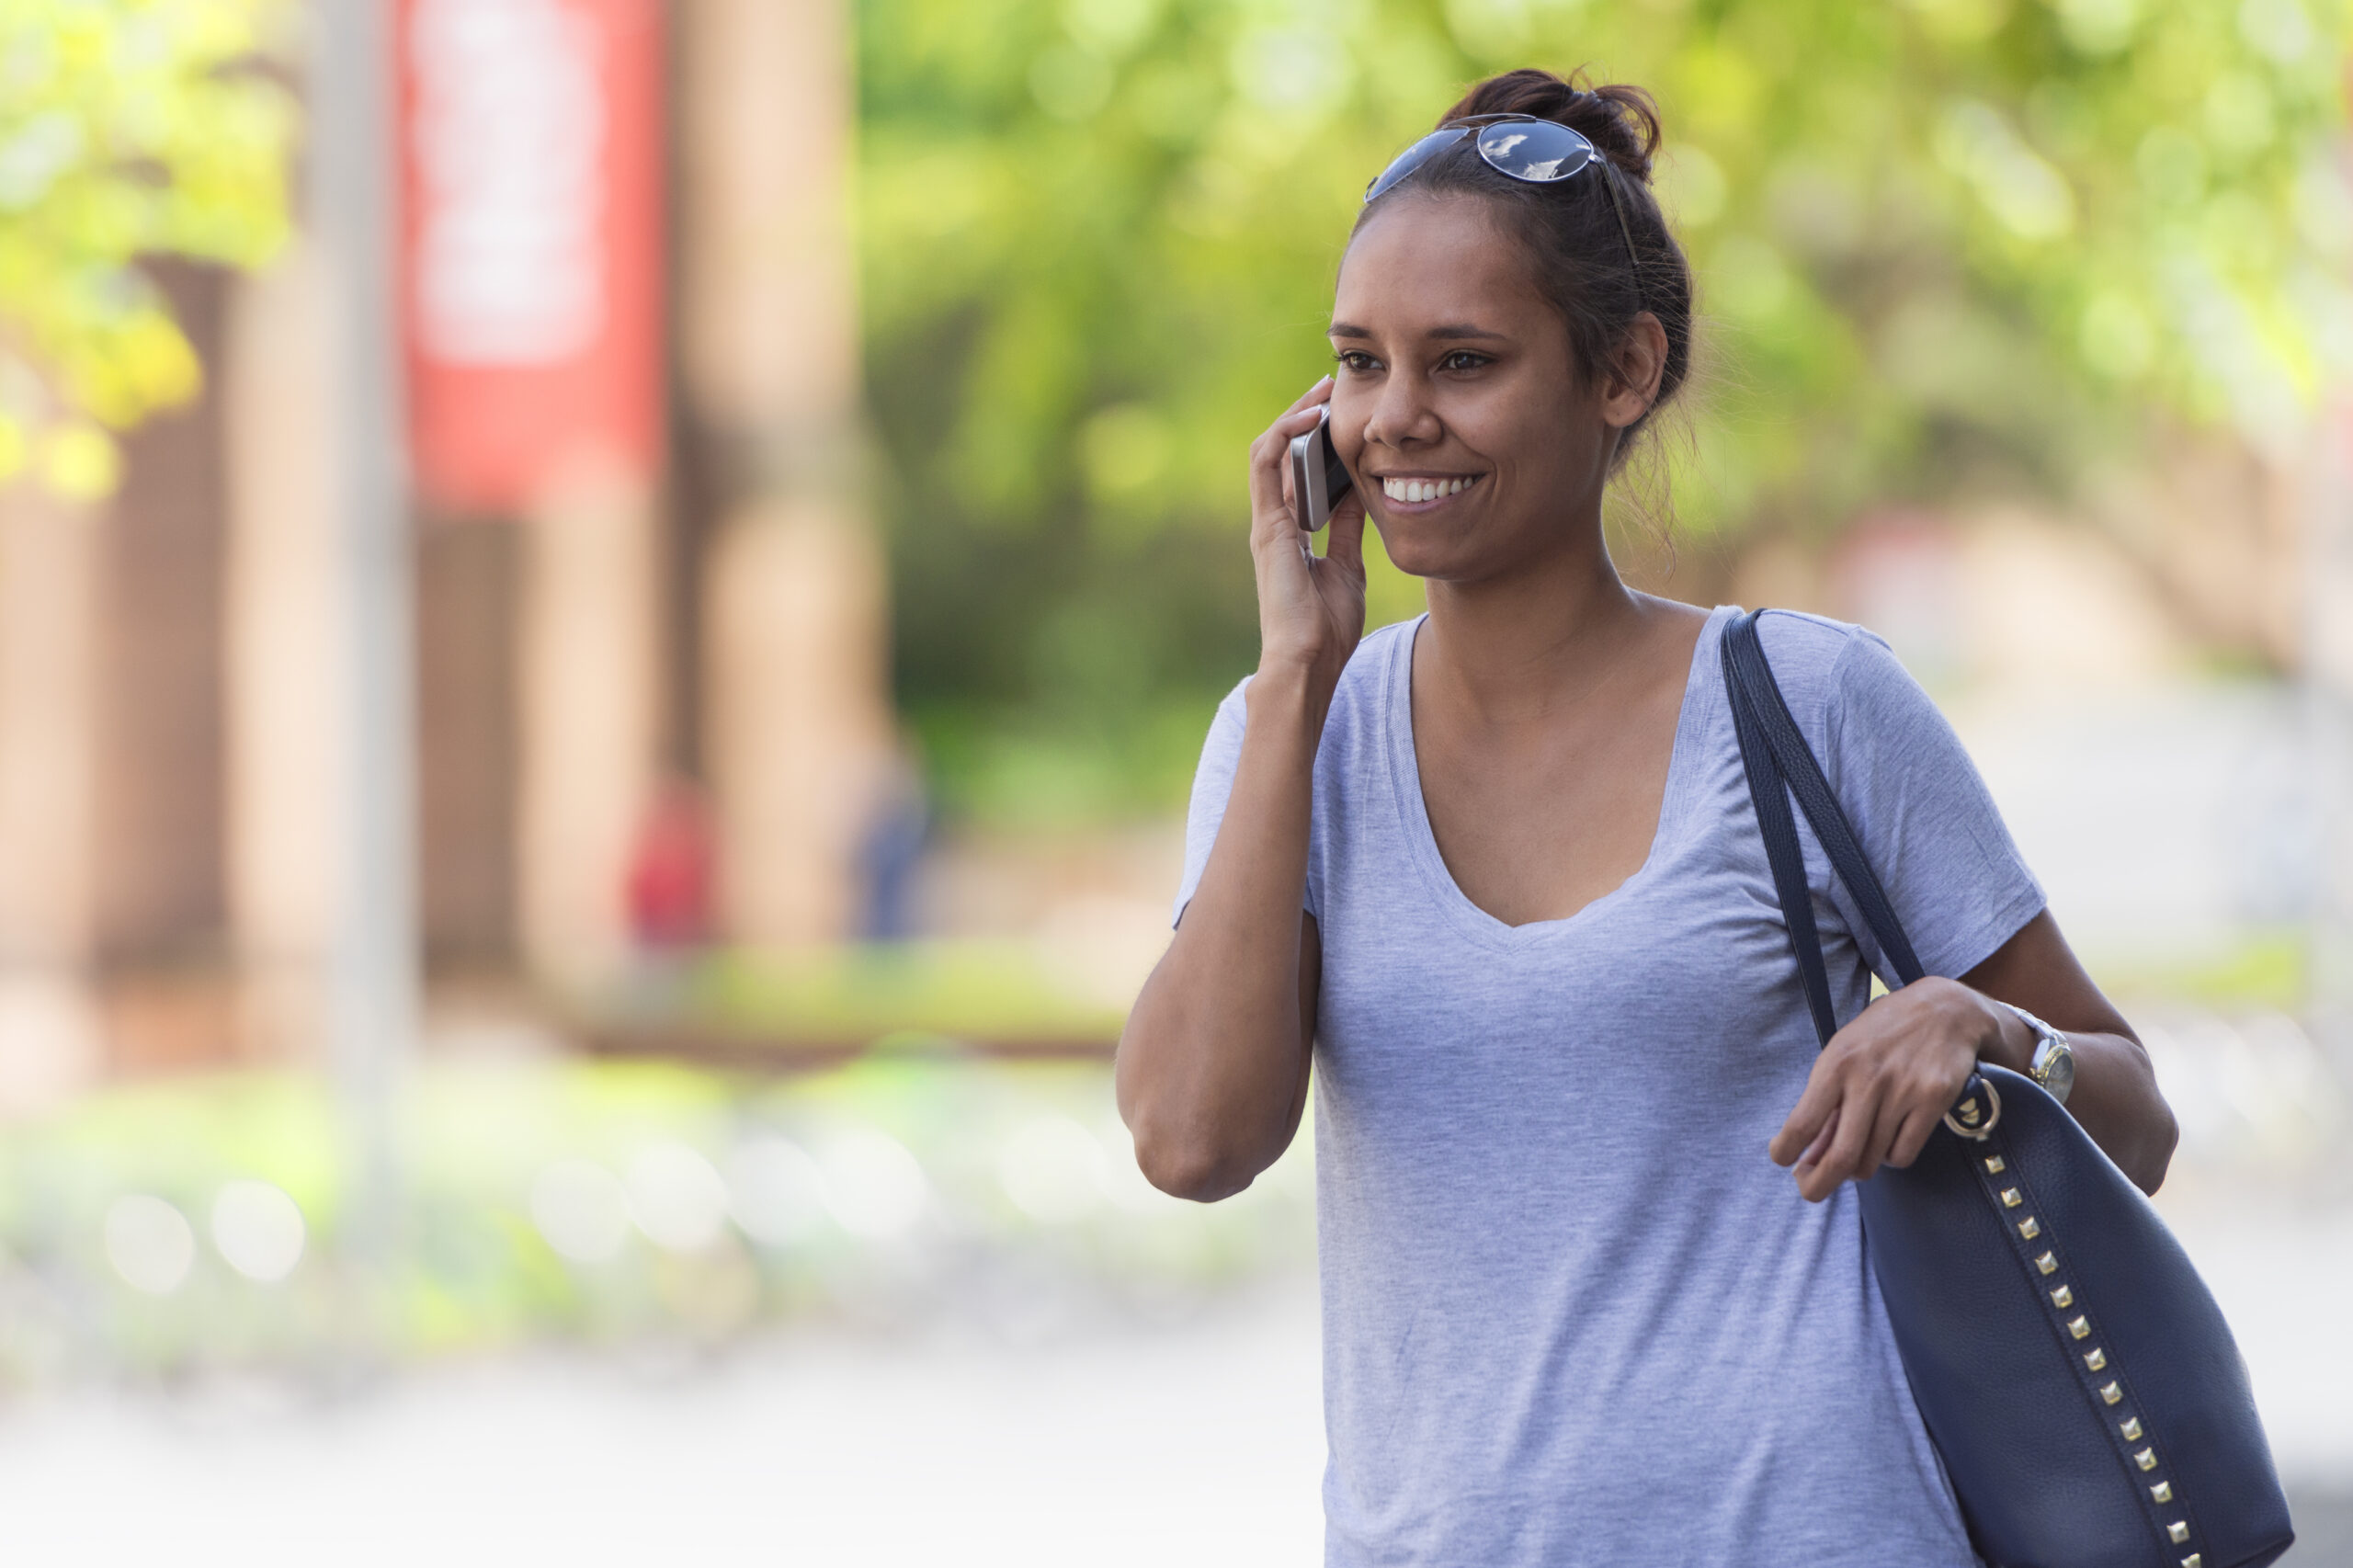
x: 1412, y: 158
x: 1537, y: 151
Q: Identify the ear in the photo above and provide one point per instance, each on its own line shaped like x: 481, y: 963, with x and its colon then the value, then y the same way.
x: 1635, y: 371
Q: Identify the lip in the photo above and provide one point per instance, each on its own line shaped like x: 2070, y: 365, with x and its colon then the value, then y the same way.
x: 1390, y: 503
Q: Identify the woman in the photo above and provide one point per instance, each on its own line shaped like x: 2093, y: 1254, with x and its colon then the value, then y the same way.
x: 1495, y: 873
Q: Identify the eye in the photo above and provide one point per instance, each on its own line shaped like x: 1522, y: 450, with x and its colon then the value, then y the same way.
x: 1463, y: 359
x: 1354, y: 361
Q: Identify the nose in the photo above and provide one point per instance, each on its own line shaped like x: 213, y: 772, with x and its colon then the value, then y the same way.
x: 1403, y: 415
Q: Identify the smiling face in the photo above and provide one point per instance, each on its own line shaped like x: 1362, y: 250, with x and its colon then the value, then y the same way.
x: 1457, y: 403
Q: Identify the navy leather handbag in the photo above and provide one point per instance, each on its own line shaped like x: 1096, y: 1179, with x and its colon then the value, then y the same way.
x: 2078, y: 1380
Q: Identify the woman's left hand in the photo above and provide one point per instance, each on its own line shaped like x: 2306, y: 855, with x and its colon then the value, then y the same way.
x: 1881, y: 1084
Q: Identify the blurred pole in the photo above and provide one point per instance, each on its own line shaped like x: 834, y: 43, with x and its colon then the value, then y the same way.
x: 374, y: 1007
x: 2328, y: 685
x: 797, y: 734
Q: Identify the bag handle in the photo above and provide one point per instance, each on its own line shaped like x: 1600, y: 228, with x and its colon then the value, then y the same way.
x: 1780, y: 764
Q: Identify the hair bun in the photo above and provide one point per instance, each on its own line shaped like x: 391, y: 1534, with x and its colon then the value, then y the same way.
x: 1622, y: 121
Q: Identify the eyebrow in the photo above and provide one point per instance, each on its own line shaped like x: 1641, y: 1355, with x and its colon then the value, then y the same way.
x: 1451, y: 330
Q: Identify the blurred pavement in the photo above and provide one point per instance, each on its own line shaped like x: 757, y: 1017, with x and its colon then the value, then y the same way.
x: 1188, y: 1443
x: 1194, y: 1444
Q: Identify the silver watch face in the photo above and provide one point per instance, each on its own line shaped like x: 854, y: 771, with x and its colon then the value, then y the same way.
x: 2054, y: 1069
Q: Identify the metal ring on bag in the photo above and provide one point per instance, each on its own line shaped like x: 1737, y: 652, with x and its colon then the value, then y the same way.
x: 1966, y: 1111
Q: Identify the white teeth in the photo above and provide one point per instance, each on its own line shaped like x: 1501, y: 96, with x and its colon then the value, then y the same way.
x: 1412, y: 489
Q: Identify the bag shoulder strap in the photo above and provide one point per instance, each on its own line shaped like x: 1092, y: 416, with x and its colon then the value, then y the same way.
x: 1779, y: 765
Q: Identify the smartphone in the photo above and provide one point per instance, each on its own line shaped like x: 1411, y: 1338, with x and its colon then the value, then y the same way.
x: 1318, y: 477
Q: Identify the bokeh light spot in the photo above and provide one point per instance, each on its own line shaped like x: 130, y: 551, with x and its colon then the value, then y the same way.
x: 677, y: 1198
x: 580, y: 1209
x: 150, y: 1242
x: 80, y: 463
x: 258, y: 1230
x: 1054, y: 1171
x: 872, y: 1185
x: 775, y: 1190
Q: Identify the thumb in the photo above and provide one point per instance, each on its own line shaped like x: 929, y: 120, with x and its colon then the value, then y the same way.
x: 1345, y: 543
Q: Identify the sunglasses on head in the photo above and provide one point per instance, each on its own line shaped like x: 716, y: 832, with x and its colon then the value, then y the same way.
x: 1518, y: 146
x: 1536, y: 152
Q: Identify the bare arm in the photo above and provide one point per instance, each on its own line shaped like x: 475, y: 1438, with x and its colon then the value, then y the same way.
x: 1213, y: 1069
x: 1883, y: 1081
x: 2115, y: 1096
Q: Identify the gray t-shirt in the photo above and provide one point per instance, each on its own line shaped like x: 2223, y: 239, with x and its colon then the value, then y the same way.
x: 1572, y: 1312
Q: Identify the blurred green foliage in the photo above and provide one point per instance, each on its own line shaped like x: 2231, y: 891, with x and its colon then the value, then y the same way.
x: 604, y: 1202
x: 1942, y: 244
x: 1005, y: 992
x: 128, y: 129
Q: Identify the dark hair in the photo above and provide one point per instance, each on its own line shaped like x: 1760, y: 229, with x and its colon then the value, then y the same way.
x: 1572, y: 228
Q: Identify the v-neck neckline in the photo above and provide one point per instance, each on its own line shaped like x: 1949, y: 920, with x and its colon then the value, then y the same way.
x: 1407, y: 773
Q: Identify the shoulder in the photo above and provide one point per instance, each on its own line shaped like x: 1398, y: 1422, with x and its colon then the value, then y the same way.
x: 1860, y: 710
x: 1825, y: 666
x: 1810, y: 648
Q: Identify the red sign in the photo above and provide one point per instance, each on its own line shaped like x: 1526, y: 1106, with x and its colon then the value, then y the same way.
x: 531, y: 215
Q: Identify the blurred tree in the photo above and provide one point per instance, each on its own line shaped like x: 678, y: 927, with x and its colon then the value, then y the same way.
x: 1941, y: 243
x: 128, y: 128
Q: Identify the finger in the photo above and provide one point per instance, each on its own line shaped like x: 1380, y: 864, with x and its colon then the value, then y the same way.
x: 1817, y: 1150
x: 1814, y: 1108
x: 1913, y: 1137
x: 1269, y: 490
x: 1888, y: 1120
x: 1265, y: 475
x: 1345, y: 543
x: 1269, y: 470
x: 1844, y: 1162
x: 1320, y: 393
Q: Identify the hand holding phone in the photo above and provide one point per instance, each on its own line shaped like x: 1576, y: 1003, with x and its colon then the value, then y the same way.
x: 1318, y: 477
x: 1311, y: 604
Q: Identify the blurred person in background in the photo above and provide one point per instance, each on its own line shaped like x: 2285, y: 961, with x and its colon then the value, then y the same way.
x: 890, y: 850
x: 668, y: 895
x: 1493, y: 873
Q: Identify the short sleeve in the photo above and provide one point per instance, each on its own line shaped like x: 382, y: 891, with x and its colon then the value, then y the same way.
x: 1926, y: 821
x: 1212, y: 783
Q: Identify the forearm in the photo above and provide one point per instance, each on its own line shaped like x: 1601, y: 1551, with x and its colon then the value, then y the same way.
x: 2115, y: 1097
x: 1212, y: 1060
x: 1881, y: 1086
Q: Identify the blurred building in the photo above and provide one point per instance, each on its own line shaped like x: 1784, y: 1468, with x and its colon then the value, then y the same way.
x: 650, y: 604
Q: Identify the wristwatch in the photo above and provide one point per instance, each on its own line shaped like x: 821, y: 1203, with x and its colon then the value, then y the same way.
x: 2053, y: 1065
